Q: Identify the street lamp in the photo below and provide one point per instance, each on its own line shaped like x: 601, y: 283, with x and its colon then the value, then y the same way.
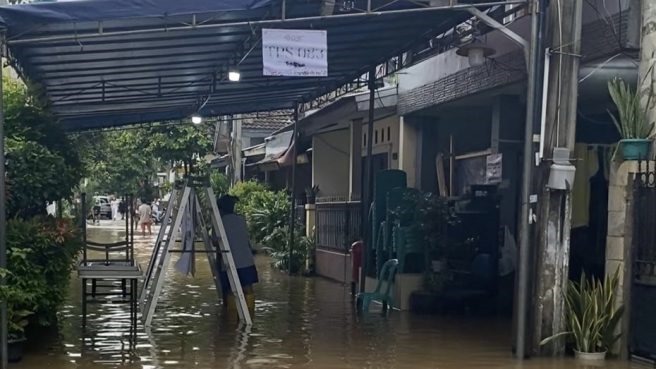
x: 476, y: 51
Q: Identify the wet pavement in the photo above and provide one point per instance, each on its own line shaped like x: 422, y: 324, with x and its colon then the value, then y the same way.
x: 299, y: 323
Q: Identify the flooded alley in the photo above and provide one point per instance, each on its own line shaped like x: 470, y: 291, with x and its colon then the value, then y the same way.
x: 299, y: 323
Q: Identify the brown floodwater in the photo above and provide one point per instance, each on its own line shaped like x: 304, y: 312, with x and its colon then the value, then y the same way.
x: 299, y: 323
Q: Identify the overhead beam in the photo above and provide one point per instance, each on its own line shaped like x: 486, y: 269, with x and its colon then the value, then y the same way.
x: 288, y: 21
x: 493, y: 23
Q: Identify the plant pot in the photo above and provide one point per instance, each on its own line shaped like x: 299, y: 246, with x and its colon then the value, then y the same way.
x: 590, y: 356
x: 635, y: 149
x: 15, y: 349
x: 310, y: 199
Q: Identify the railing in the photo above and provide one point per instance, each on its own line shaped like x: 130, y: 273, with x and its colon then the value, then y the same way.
x: 338, y: 224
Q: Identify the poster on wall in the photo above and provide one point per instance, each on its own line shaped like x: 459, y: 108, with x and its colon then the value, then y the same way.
x: 294, y: 52
x: 493, y: 173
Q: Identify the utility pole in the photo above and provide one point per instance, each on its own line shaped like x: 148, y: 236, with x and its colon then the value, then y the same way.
x: 554, y: 205
x: 236, y: 150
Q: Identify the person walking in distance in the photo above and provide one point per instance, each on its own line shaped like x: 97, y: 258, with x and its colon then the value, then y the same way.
x: 122, y: 208
x: 114, y: 203
x: 145, y: 212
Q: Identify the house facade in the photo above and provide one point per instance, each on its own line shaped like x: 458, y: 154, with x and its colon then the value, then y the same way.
x: 442, y: 119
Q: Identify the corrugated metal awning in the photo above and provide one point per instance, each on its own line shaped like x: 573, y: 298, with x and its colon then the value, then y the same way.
x: 106, y: 63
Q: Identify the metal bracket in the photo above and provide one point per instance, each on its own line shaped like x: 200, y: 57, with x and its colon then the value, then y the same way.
x: 519, y: 40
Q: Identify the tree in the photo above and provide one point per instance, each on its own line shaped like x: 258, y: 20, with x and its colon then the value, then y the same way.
x: 181, y: 143
x: 118, y: 161
x: 43, y: 163
x: 121, y: 161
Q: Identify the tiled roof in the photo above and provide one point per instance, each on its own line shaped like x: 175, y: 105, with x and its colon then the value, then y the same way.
x: 270, y: 121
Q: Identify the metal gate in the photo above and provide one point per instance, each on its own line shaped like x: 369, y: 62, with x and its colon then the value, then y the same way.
x: 643, y: 269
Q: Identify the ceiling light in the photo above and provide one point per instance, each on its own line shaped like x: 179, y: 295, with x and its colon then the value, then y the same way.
x: 234, y: 75
x: 196, y: 119
x: 476, y: 51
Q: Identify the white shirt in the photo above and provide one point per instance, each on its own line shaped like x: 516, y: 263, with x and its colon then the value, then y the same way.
x: 144, y: 213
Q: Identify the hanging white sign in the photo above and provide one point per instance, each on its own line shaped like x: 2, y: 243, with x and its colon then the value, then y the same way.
x: 294, y: 53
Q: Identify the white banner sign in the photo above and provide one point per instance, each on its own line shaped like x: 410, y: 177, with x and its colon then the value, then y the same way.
x: 294, y: 53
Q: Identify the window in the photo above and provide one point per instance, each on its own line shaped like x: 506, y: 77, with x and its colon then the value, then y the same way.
x: 389, y: 133
x: 376, y: 137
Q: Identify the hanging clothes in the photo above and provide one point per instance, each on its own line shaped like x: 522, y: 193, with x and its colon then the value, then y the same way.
x: 587, y: 165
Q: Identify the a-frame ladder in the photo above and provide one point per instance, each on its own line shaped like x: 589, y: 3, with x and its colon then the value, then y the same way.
x: 164, y: 234
x: 154, y: 282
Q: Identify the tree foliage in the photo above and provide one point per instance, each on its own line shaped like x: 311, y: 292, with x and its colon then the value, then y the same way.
x: 119, y: 161
x: 43, y: 163
x: 180, y: 142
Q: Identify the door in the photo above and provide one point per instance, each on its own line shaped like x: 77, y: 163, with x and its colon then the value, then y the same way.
x: 379, y: 162
x: 643, y: 274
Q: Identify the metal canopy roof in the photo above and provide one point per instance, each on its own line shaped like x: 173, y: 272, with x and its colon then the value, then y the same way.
x: 105, y: 63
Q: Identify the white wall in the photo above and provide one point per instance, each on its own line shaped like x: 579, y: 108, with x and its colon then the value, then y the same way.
x: 408, y: 140
x: 330, y: 163
x: 386, y: 144
x: 448, y: 63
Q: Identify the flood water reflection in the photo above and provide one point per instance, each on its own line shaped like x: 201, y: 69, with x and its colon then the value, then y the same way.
x: 299, y: 323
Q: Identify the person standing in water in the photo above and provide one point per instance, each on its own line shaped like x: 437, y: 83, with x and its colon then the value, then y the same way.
x: 240, y: 247
x: 144, y: 218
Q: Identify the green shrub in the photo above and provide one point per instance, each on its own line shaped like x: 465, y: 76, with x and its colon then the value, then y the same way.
x: 303, y: 245
x: 41, y: 253
x: 220, y: 183
x: 246, y: 191
x: 267, y: 214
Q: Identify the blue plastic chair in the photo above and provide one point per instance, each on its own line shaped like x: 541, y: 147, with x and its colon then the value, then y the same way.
x: 383, y: 289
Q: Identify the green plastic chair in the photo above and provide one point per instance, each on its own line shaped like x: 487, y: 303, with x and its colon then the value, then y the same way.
x: 383, y: 289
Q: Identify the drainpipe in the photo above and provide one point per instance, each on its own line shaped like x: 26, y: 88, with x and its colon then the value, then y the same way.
x: 538, y: 9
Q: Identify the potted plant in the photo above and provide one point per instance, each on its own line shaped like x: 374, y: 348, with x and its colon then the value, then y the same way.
x: 311, y: 194
x: 592, y: 317
x: 435, y: 217
x: 632, y: 121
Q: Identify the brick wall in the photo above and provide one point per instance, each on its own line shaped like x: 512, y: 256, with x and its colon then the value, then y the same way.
x: 600, y: 39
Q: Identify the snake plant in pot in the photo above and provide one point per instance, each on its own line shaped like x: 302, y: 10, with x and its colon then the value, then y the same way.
x: 592, y: 316
x: 632, y: 121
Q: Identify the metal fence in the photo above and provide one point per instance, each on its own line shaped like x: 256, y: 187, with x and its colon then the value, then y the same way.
x: 338, y: 224
x: 643, y: 266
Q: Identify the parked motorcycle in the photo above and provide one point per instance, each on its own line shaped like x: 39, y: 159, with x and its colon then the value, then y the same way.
x: 158, y: 218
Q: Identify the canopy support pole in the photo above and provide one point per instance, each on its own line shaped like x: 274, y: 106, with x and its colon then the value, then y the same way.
x: 292, y: 196
x: 525, y: 276
x: 3, y: 220
x: 367, y: 196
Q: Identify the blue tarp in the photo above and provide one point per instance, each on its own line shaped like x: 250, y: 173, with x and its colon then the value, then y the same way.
x: 24, y: 17
x: 103, y: 63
